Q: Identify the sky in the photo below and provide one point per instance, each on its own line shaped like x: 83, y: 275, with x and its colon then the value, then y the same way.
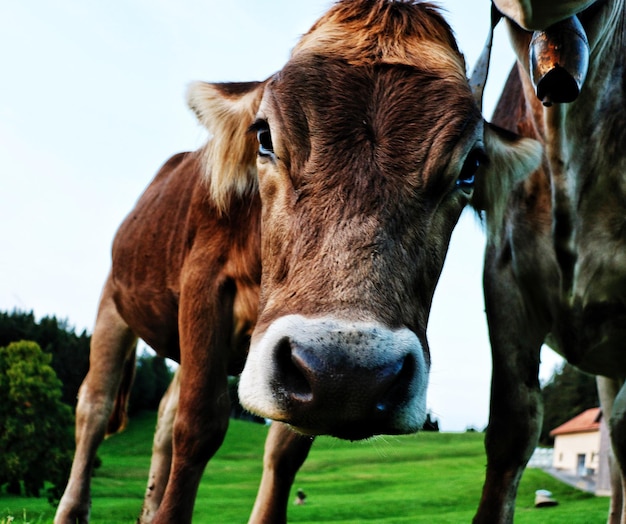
x: 92, y: 104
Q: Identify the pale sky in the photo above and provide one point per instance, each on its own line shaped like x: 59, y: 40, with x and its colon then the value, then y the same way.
x: 91, y: 105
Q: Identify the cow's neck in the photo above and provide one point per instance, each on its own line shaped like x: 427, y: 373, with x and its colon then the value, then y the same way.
x: 586, y: 148
x: 563, y: 227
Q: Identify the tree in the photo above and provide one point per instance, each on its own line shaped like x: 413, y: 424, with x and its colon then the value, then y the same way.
x: 36, y: 439
x: 70, y: 352
x: 565, y: 395
x: 70, y: 358
x: 431, y: 423
x: 152, y: 377
x: 237, y: 411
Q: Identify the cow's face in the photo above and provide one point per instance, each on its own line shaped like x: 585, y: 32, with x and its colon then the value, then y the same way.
x: 364, y: 164
x: 363, y: 172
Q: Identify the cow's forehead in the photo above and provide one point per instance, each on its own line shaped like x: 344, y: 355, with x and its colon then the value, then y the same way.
x: 381, y: 75
x: 389, y: 118
x: 386, y: 32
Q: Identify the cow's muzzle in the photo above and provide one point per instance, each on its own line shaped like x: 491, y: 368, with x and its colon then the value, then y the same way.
x: 351, y: 380
x: 559, y: 59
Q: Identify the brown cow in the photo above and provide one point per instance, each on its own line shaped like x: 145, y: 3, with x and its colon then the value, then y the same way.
x: 336, y: 185
x: 555, y: 268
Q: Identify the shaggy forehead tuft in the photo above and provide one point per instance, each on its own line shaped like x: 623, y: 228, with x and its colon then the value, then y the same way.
x: 369, y: 32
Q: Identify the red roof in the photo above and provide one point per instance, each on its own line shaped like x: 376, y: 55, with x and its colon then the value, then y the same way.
x: 588, y: 420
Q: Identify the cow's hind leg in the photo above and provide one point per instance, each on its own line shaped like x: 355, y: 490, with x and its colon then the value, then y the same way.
x: 607, y: 391
x: 618, y: 440
x: 285, y: 452
x: 161, y: 452
x: 112, y: 349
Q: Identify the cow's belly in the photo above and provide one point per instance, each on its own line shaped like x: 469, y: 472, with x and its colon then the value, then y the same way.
x: 152, y: 316
x: 589, y: 324
x: 594, y: 339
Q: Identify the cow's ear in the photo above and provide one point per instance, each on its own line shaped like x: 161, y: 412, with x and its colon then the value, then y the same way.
x: 511, y: 159
x: 227, y: 110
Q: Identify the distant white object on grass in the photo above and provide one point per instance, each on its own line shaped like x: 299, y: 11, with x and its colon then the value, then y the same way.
x: 543, y: 499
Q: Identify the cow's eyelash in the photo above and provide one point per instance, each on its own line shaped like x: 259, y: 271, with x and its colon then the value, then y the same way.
x: 258, y: 125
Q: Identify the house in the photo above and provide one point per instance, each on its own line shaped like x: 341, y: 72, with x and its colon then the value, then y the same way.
x: 581, y: 448
x: 577, y: 443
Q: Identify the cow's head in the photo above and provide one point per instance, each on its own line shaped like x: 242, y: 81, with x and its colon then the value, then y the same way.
x: 368, y: 145
x: 539, y: 14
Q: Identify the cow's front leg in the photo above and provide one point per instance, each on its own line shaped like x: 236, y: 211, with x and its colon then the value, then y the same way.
x: 516, y: 408
x: 285, y: 452
x: 205, y: 329
x: 161, y: 452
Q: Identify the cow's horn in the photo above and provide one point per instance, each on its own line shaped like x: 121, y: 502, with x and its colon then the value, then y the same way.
x: 559, y: 58
x: 481, y: 69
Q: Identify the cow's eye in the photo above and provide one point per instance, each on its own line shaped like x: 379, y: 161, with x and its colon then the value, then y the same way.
x: 264, y: 136
x: 472, y: 163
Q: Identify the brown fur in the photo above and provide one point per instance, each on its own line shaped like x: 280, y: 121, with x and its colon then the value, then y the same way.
x: 229, y: 159
x: 406, y: 33
x: 175, y: 258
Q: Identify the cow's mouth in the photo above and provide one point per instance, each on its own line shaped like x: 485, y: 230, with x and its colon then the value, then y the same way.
x: 350, y: 431
x: 330, y: 376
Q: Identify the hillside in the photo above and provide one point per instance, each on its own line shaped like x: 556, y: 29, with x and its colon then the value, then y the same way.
x: 423, y: 478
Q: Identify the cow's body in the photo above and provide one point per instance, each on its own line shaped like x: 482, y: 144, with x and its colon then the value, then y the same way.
x: 168, y: 250
x: 368, y: 145
x: 555, y: 268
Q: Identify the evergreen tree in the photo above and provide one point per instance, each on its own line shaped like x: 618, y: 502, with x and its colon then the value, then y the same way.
x: 36, y: 438
x: 152, y: 377
x: 431, y: 423
x: 70, y: 358
x: 568, y: 393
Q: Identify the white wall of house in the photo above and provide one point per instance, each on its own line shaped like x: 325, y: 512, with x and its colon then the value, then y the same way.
x: 577, y: 450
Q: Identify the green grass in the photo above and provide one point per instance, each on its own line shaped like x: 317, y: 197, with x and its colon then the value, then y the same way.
x: 423, y: 478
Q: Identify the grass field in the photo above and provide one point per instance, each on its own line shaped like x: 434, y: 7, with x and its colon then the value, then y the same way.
x: 423, y: 478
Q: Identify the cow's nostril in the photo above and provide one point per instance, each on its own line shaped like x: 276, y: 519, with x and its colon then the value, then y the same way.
x: 400, y: 378
x: 292, y: 377
x: 408, y: 369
